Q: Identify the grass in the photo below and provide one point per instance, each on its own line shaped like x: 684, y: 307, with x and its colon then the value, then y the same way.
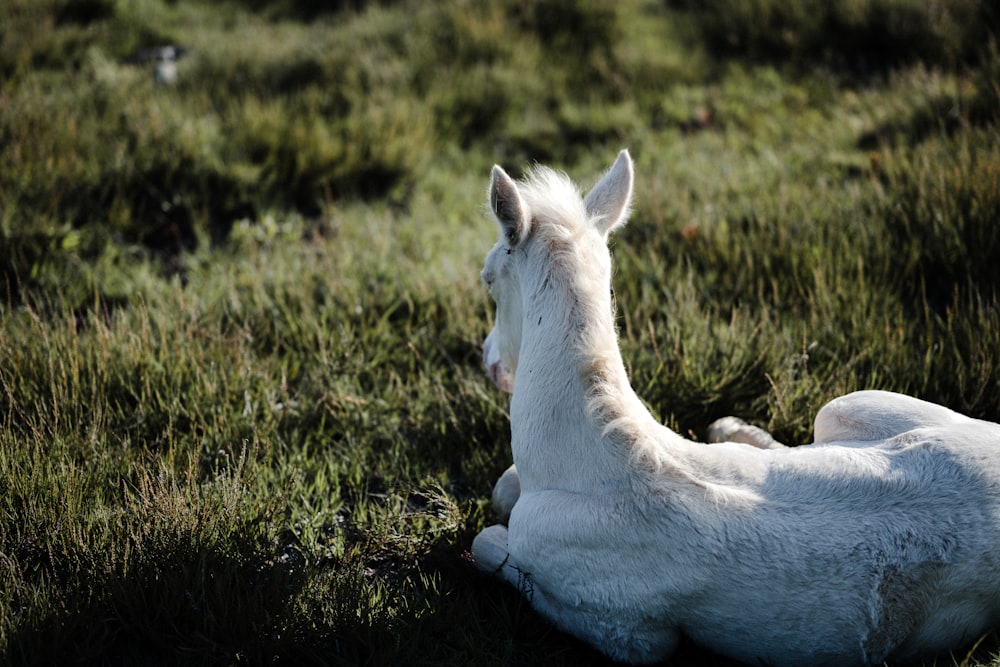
x: 242, y: 413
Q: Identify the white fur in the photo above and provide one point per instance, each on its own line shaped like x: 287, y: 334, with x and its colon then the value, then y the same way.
x: 879, y: 541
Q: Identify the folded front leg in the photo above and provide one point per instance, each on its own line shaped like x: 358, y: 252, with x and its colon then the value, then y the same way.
x: 505, y: 493
x: 489, y: 551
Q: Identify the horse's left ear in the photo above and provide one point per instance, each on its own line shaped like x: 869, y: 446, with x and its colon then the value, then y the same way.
x: 507, y: 206
x: 608, y: 202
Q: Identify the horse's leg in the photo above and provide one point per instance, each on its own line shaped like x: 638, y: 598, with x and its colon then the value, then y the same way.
x: 733, y: 429
x: 876, y: 415
x: 489, y: 551
x: 505, y: 493
x: 865, y: 416
x: 634, y: 639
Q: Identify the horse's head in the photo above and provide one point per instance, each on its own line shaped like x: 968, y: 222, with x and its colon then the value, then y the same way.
x: 538, y: 218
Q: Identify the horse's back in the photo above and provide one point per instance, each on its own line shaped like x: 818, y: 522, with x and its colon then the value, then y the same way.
x: 945, y: 460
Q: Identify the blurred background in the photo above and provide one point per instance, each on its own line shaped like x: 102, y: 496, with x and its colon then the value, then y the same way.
x: 243, y: 415
x: 158, y: 124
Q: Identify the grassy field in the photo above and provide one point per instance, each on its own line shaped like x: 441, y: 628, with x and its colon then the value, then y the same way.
x: 243, y: 418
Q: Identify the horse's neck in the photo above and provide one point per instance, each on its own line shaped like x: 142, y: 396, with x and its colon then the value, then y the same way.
x: 558, y: 440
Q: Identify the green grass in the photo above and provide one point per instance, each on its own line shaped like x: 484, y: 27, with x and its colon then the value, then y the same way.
x: 243, y: 418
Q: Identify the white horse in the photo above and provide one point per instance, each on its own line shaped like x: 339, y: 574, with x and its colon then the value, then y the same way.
x: 881, y: 540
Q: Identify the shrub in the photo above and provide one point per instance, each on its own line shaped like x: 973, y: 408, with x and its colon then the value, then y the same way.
x: 862, y: 35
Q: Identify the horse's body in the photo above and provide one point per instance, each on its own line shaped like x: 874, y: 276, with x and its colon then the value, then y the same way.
x: 881, y: 540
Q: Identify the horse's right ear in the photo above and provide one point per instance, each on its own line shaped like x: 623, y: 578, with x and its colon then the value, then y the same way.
x: 608, y: 203
x: 507, y: 206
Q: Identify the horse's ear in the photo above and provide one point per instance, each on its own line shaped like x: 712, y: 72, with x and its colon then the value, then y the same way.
x: 507, y: 206
x: 608, y: 202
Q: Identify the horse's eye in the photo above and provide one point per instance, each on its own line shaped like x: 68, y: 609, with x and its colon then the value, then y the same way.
x: 509, y: 250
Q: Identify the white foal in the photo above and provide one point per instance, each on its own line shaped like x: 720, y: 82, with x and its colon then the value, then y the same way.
x: 879, y: 541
